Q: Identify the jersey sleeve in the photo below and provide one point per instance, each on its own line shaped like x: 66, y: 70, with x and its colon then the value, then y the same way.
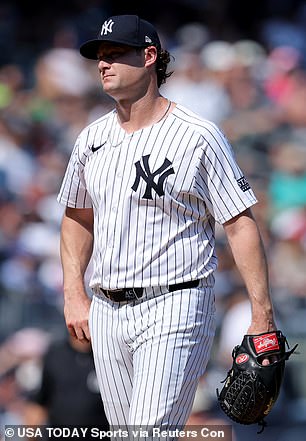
x: 219, y: 180
x: 73, y: 191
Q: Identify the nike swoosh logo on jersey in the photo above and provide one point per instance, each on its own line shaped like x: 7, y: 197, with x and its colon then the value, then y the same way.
x: 94, y: 149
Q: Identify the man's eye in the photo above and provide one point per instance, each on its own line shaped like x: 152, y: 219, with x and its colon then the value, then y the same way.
x: 115, y: 55
x: 112, y: 56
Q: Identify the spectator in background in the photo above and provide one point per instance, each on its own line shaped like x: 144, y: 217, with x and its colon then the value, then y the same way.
x: 192, y: 81
x: 287, y: 187
x: 20, y: 356
x: 68, y: 393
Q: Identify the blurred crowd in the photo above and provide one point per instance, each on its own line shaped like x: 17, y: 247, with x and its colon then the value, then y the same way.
x: 254, y: 89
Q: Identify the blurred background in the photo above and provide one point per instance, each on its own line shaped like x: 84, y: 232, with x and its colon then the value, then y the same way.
x: 241, y: 64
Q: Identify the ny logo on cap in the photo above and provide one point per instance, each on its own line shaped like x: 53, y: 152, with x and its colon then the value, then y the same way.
x: 107, y: 27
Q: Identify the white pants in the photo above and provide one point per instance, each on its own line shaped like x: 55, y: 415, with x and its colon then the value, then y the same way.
x: 150, y: 353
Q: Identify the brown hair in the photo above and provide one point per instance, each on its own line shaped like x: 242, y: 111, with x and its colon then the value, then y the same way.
x: 162, y: 61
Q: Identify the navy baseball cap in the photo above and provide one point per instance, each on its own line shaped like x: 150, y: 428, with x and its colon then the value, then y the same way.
x: 129, y: 30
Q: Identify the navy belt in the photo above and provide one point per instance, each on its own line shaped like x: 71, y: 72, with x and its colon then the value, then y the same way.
x: 126, y: 294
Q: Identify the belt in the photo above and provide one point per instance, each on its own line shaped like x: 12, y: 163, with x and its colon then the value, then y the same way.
x: 126, y: 294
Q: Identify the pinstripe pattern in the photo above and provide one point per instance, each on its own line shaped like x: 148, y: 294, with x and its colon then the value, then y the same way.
x: 149, y: 355
x: 167, y: 239
x: 156, y: 195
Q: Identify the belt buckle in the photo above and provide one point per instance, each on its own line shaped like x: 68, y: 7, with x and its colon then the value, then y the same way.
x: 130, y: 294
x: 126, y: 293
x: 108, y: 292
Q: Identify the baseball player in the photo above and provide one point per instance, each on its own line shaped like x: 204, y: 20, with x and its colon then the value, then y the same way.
x: 143, y: 189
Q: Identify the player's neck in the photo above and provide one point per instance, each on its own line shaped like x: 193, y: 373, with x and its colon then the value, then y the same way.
x: 142, y: 113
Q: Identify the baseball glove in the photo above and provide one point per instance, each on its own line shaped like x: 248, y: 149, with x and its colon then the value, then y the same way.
x: 251, y: 389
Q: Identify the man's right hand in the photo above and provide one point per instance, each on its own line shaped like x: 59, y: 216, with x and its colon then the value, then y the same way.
x: 76, y: 311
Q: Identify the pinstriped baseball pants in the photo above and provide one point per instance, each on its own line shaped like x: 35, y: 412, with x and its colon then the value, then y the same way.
x: 150, y: 353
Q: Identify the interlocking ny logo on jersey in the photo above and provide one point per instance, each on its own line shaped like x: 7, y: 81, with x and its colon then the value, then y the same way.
x: 107, y: 27
x: 143, y: 171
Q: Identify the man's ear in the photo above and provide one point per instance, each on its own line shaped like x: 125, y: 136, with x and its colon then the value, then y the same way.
x: 150, y: 55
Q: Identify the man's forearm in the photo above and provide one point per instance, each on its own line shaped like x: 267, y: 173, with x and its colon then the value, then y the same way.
x: 76, y: 250
x: 249, y: 255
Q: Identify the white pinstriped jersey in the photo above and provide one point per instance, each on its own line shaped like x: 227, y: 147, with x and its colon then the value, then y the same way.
x: 156, y: 194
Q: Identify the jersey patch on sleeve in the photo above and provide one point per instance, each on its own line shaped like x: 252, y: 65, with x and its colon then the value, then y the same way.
x: 243, y: 184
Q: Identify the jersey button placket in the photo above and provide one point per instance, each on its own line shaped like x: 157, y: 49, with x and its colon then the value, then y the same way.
x: 113, y: 211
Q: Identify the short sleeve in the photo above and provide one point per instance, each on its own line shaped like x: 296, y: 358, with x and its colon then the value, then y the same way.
x: 219, y: 179
x: 73, y: 191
